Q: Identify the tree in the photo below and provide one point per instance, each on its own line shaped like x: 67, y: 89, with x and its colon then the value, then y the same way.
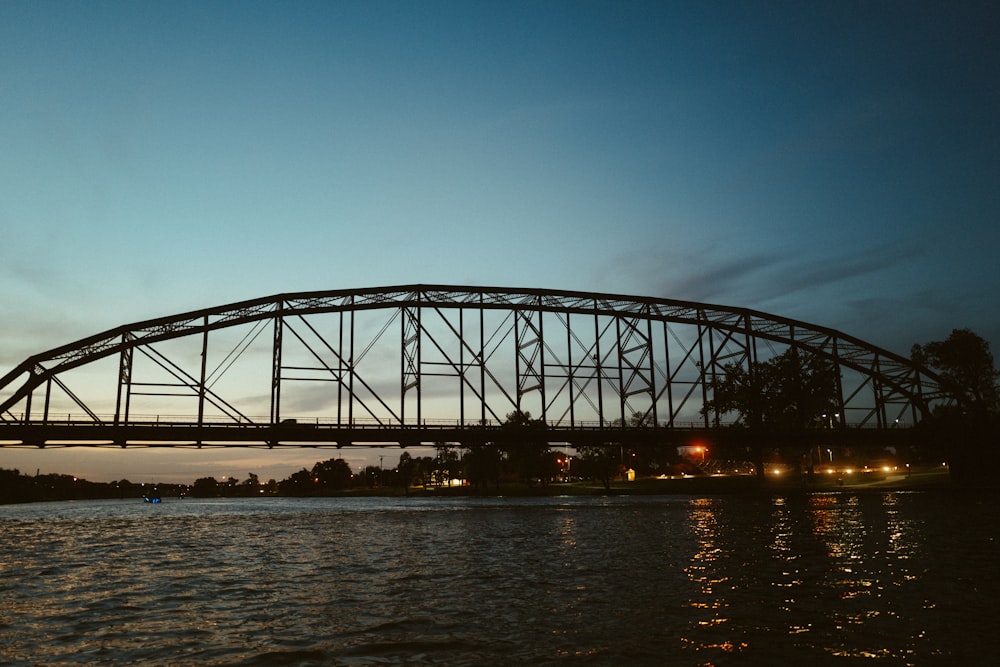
x: 205, y: 487
x: 525, y: 445
x: 299, y: 483
x: 250, y: 486
x: 599, y: 462
x: 406, y: 471
x: 791, y: 392
x: 970, y: 427
x: 446, y: 464
x: 425, y: 467
x: 126, y: 489
x: 965, y: 365
x: 332, y: 474
x: 15, y: 487
x: 482, y: 465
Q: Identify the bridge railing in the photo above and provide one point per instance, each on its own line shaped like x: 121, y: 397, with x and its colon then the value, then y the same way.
x: 222, y: 422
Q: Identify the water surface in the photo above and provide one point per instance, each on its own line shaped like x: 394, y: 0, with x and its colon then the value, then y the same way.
x: 894, y: 579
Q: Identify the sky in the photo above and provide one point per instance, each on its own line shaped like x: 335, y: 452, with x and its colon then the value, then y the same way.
x: 833, y: 162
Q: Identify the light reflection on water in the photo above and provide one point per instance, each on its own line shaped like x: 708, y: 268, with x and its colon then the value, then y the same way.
x: 601, y: 581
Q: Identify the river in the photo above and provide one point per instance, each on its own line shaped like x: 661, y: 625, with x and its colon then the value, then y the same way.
x: 900, y: 578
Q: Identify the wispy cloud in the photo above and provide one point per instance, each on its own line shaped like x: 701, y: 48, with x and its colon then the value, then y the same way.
x: 794, y: 275
x: 696, y: 275
x: 753, y: 279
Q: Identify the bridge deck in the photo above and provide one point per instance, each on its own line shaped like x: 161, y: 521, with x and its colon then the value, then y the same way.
x: 186, y: 434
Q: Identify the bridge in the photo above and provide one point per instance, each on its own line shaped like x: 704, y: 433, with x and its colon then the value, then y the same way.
x: 414, y: 364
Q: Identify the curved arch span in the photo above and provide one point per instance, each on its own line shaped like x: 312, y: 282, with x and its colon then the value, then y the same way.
x: 416, y: 355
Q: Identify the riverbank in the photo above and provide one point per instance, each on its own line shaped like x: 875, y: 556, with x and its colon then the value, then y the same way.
x: 929, y: 479
x: 922, y: 480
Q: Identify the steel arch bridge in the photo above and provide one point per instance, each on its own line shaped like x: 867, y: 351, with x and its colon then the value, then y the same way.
x: 428, y: 363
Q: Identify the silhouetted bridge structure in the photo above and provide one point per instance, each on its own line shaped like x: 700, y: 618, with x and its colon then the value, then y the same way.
x: 419, y: 364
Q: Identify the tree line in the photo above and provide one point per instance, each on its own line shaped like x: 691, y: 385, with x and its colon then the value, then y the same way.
x: 523, y: 455
x: 16, y: 487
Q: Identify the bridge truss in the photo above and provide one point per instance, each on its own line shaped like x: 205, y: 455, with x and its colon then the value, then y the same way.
x: 427, y: 363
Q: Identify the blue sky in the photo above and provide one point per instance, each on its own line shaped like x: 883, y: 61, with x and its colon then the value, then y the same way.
x: 835, y: 162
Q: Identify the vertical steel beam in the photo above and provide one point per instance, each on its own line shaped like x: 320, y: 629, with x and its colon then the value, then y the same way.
x: 202, y: 378
x: 124, y: 380
x: 569, y: 371
x: 518, y: 384
x: 340, y: 369
x: 541, y: 361
x: 276, y: 365
x: 27, y: 401
x: 482, y: 359
x: 419, y: 333
x: 747, y: 339
x: 350, y: 369
x: 597, y: 367
x: 669, y: 375
x: 48, y: 398
x: 517, y: 361
x: 27, y: 404
x: 701, y: 365
x: 406, y: 370
x: 652, y: 371
x: 621, y: 368
x: 714, y: 361
x: 461, y: 366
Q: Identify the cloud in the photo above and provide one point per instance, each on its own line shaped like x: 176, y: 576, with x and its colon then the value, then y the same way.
x: 713, y: 274
x: 718, y: 281
x: 793, y: 275
x: 703, y: 275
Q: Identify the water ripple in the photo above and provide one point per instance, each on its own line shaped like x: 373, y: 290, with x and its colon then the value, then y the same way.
x: 712, y: 581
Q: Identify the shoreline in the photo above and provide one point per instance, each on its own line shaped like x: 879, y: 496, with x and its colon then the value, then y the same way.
x: 934, y: 480
x: 928, y: 480
x: 715, y: 485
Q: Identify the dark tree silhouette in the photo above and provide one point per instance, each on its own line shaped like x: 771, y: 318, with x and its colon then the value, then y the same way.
x: 599, y: 462
x: 968, y: 428
x: 525, y: 445
x: 406, y: 471
x: 205, y: 487
x: 965, y: 365
x: 482, y: 465
x: 791, y: 392
x: 332, y: 474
